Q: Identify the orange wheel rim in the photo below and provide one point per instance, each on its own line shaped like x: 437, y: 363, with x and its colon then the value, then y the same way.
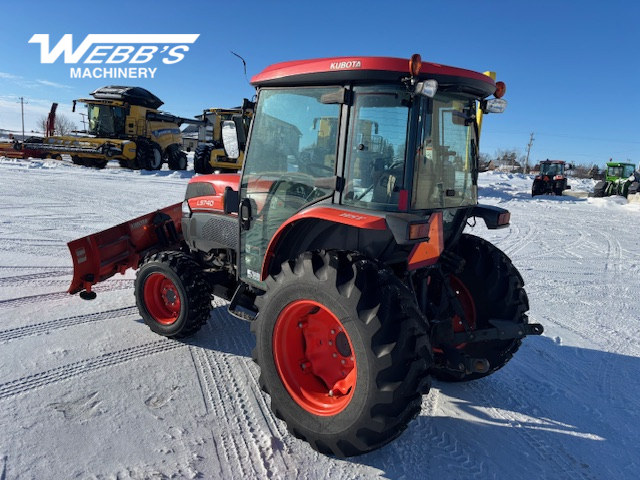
x: 314, y: 358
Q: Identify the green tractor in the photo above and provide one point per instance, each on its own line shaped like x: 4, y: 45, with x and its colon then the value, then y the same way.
x: 621, y: 179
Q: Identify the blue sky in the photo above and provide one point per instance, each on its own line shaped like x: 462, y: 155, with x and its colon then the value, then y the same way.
x: 571, y: 67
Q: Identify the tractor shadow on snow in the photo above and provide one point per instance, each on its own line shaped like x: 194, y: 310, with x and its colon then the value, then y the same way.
x: 551, y: 405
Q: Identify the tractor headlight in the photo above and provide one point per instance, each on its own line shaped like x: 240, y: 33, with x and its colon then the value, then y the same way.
x: 186, y: 210
x: 427, y: 88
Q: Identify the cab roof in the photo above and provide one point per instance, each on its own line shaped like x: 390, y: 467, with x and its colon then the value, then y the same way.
x: 363, y: 70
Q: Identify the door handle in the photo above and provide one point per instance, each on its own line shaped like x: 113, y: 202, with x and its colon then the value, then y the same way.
x: 246, y: 212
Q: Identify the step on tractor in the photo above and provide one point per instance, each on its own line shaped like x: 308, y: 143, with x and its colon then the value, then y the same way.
x: 621, y: 179
x: 210, y: 155
x: 346, y: 250
x: 552, y: 179
x: 124, y: 125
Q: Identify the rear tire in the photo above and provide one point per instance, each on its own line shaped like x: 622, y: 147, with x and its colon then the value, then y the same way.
x: 343, y: 351
x: 537, y: 188
x: 201, y: 159
x: 489, y: 287
x: 172, y: 294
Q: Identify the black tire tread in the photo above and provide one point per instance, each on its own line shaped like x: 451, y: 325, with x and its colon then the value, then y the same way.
x: 498, y: 291
x: 201, y: 159
x: 194, y: 282
x: 396, y: 333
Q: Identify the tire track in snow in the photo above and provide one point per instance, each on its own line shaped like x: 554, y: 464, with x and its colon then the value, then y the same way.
x: 230, y: 391
x: 84, y: 367
x: 428, y: 445
x: 519, y: 240
x: 108, y: 286
x: 46, y: 327
x: 613, y: 265
x: 34, y: 278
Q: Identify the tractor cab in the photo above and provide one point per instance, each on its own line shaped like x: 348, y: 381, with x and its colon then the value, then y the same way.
x: 339, y: 145
x: 619, y: 171
x: 106, y: 120
x: 551, y: 168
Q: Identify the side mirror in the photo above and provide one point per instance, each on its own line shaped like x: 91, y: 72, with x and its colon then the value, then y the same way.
x: 458, y: 118
x: 230, y: 139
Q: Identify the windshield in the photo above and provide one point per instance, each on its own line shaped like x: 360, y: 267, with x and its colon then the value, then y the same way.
x: 446, y: 154
x: 622, y: 171
x: 106, y: 120
x: 551, y: 169
x: 377, y: 144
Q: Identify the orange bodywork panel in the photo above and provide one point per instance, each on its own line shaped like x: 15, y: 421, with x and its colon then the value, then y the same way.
x: 332, y: 214
x: 101, y: 255
x: 427, y: 253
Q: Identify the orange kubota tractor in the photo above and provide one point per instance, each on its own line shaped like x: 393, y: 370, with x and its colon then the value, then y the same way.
x: 351, y: 262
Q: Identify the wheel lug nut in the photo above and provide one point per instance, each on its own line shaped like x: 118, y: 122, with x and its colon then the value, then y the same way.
x: 335, y: 355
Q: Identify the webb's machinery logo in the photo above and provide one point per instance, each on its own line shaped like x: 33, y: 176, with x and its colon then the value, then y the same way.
x: 116, y: 49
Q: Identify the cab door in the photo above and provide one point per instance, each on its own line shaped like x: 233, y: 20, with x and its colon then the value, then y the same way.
x: 289, y: 150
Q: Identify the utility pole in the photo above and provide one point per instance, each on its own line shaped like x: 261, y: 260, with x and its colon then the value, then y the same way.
x: 22, y: 110
x: 526, y: 162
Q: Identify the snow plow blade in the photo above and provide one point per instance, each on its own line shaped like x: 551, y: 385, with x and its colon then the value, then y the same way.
x: 101, y: 255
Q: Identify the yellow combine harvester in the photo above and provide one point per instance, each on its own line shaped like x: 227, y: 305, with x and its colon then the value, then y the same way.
x: 125, y: 125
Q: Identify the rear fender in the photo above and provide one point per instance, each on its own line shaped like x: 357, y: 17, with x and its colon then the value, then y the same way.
x: 326, y: 214
x: 101, y: 255
x: 323, y: 227
x: 494, y: 217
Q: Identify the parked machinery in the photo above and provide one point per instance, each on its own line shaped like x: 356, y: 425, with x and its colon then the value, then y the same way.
x: 621, y: 179
x: 125, y: 125
x: 552, y: 179
x: 210, y: 155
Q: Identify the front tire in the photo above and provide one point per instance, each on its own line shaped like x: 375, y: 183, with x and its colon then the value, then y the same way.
x: 488, y: 287
x: 172, y: 294
x: 343, y: 351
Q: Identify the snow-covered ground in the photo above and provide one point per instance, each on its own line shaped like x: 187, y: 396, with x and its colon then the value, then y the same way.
x: 88, y: 391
